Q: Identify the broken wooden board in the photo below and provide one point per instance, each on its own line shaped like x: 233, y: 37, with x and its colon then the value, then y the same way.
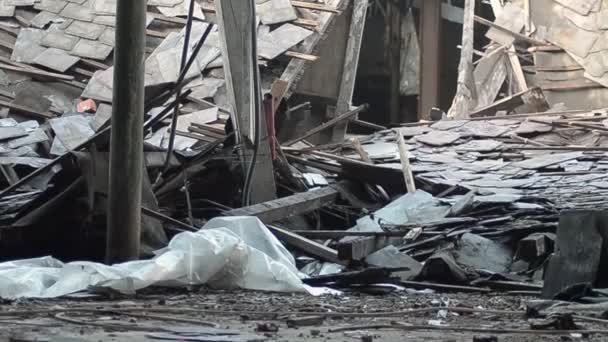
x: 290, y: 206
x: 404, y: 157
x: 533, y: 97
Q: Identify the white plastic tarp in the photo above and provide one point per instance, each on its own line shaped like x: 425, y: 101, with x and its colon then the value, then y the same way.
x: 227, y: 252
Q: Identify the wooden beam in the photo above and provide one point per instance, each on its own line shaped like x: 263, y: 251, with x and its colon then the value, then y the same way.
x: 351, y: 64
x: 93, y: 63
x: 314, y: 6
x: 328, y: 124
x: 303, y: 56
x: 310, y: 23
x: 318, y: 165
x: 430, y: 57
x: 369, y: 125
x: 83, y: 72
x: 286, y: 207
x: 278, y: 90
x: 157, y: 34
x: 173, y: 20
x: 364, y: 155
x: 307, y: 246
x: 36, y: 72
x: 167, y: 219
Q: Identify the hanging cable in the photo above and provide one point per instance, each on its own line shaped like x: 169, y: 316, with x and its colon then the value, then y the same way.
x: 183, y: 62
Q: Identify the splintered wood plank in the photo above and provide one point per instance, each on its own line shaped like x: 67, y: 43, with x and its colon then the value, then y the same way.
x: 405, y: 163
x: 304, y: 56
x: 351, y: 64
x: 36, y: 72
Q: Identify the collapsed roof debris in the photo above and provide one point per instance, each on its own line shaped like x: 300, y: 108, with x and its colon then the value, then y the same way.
x: 505, y: 195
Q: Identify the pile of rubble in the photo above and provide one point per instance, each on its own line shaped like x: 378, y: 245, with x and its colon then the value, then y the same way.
x: 56, y: 90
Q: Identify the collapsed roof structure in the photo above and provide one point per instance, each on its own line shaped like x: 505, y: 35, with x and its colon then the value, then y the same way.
x: 503, y: 192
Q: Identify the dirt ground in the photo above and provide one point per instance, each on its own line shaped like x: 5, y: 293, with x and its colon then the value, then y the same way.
x: 206, y: 315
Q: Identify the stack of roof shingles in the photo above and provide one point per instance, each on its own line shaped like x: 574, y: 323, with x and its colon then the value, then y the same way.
x: 75, y: 29
x: 61, y: 53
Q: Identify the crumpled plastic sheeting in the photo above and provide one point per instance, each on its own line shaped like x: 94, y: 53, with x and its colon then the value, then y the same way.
x: 226, y: 253
x: 416, y: 207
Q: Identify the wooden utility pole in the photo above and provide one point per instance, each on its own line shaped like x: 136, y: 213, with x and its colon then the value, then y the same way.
x: 126, y: 146
x: 430, y: 57
x: 235, y: 22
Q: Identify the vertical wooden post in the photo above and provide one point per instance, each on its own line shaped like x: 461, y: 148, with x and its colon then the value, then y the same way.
x: 430, y: 57
x: 235, y: 22
x: 466, y: 93
x: 126, y: 150
x: 351, y: 64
